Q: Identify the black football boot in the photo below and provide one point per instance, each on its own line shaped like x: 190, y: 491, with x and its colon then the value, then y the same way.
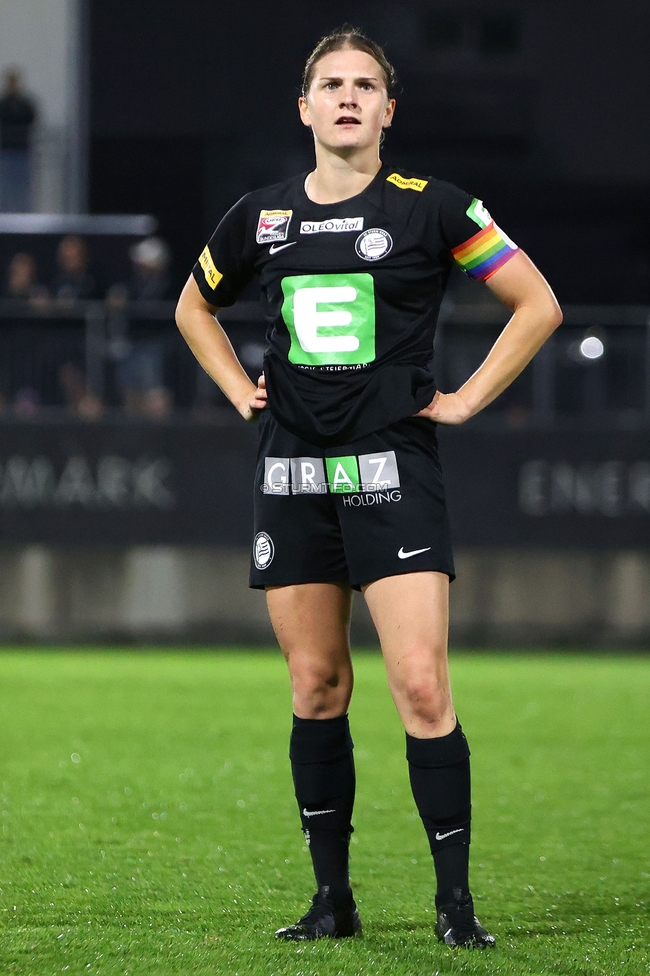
x: 457, y: 925
x: 324, y: 920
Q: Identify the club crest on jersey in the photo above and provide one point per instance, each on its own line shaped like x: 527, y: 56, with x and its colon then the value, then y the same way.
x: 373, y: 244
x: 337, y: 225
x: 273, y: 225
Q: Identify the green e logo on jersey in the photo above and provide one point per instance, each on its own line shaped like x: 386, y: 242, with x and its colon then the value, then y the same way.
x: 330, y: 318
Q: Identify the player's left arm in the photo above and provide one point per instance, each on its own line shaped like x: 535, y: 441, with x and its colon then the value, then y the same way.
x: 536, y: 314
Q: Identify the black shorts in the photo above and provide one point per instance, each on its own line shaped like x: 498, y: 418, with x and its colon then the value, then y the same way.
x: 356, y: 512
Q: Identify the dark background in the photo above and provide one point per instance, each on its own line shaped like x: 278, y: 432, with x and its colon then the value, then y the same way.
x: 67, y: 484
x: 540, y: 108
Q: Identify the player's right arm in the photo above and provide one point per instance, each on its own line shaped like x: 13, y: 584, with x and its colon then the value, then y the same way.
x: 196, y: 319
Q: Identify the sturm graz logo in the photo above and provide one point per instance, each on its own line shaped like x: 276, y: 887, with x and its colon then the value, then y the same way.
x: 373, y: 244
x: 263, y: 550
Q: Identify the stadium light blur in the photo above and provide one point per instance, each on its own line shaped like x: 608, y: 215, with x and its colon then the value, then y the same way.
x: 591, y: 347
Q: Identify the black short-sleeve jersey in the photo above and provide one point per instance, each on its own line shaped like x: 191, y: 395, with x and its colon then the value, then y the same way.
x: 351, y: 293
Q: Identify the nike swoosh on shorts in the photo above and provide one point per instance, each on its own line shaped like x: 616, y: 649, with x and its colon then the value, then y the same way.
x: 414, y: 552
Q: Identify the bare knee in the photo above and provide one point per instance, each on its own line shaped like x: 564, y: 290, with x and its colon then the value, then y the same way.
x: 320, y: 692
x: 427, y: 701
x: 317, y: 681
x: 424, y: 701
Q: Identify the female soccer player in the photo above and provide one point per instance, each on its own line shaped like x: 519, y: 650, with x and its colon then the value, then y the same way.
x: 353, y: 259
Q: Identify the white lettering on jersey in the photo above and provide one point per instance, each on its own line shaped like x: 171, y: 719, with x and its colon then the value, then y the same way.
x: 337, y: 225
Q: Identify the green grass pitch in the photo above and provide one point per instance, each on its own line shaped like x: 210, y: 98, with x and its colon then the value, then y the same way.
x: 149, y: 827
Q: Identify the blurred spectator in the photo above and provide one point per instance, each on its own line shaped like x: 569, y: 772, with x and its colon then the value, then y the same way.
x: 74, y: 280
x: 140, y: 362
x: 27, y: 403
x: 82, y: 403
x: 21, y: 276
x: 140, y: 380
x: 21, y: 283
x: 150, y: 279
x: 17, y: 117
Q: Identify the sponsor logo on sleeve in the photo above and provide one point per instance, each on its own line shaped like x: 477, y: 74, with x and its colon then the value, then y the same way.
x: 477, y: 212
x: 337, y: 225
x: 212, y: 275
x: 373, y: 244
x: 273, y: 225
x: 405, y: 184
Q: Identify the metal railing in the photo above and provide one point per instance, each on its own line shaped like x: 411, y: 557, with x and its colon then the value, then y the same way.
x: 595, y: 368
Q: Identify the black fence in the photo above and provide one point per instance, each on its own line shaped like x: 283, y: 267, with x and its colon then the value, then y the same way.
x: 91, y: 359
x: 594, y: 368
x: 95, y: 360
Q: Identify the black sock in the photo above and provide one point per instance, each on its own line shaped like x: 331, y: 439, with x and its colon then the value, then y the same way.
x: 440, y: 780
x: 324, y: 781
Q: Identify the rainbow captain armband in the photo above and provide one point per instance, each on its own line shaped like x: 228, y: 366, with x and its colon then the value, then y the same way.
x: 485, y: 252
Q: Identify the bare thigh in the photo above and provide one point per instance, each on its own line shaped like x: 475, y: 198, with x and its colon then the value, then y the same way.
x: 411, y: 614
x: 312, y: 624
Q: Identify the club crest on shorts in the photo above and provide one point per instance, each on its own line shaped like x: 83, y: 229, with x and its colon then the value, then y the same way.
x: 373, y: 244
x: 263, y: 550
x: 273, y: 225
